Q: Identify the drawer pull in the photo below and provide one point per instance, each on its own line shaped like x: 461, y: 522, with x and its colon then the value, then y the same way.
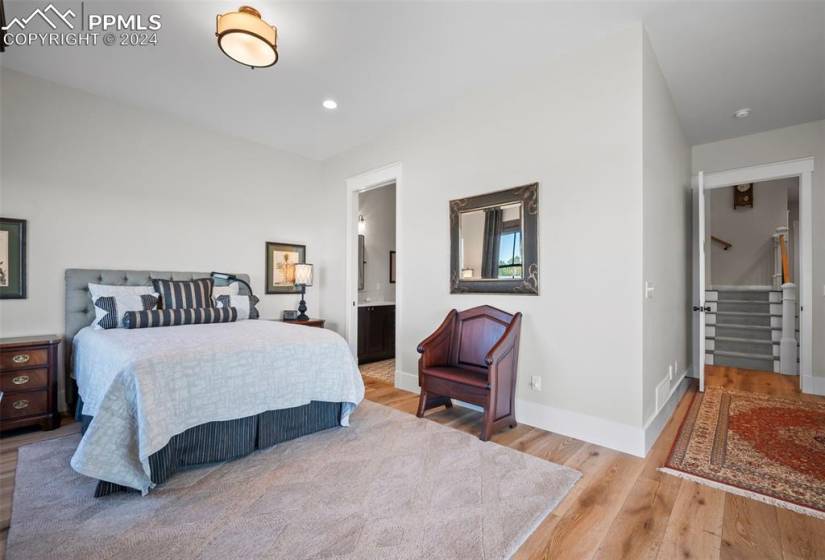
x: 20, y: 358
x: 20, y: 380
x: 21, y: 404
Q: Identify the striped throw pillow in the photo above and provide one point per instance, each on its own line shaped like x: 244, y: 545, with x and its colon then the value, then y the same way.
x: 110, y: 310
x: 174, y: 317
x: 184, y: 294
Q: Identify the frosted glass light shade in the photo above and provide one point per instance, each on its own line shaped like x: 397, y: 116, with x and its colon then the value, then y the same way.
x: 303, y: 274
x: 244, y: 37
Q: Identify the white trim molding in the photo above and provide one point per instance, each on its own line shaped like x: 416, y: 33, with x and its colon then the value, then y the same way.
x: 607, y: 433
x: 656, y: 423
x: 812, y: 384
x: 592, y: 429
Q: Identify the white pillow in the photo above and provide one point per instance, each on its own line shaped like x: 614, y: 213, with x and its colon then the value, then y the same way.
x: 231, y: 289
x: 241, y: 303
x: 123, y: 299
x: 105, y: 290
x: 111, y: 310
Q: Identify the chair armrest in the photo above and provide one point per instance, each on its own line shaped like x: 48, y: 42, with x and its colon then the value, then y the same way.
x: 435, y: 349
x: 506, y: 343
x: 443, y: 331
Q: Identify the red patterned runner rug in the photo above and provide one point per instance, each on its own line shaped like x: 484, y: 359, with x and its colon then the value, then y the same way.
x: 763, y: 447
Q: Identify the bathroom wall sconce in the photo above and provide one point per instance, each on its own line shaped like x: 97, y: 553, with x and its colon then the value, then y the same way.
x: 362, y: 225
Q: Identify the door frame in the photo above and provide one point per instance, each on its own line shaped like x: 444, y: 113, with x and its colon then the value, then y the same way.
x: 803, y: 169
x: 367, y: 181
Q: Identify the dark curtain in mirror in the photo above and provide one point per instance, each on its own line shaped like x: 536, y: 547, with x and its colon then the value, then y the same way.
x: 493, y: 221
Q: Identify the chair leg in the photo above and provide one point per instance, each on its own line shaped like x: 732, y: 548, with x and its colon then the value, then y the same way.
x: 427, y: 401
x: 422, y: 404
x: 487, y: 425
x: 486, y: 432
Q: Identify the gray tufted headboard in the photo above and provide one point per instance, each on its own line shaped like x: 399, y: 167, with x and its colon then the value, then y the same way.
x: 80, y: 311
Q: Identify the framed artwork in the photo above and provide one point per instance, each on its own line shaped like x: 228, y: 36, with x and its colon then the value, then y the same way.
x: 12, y: 258
x: 281, y: 259
x: 392, y: 267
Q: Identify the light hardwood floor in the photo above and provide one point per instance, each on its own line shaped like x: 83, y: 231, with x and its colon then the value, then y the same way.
x: 621, y: 508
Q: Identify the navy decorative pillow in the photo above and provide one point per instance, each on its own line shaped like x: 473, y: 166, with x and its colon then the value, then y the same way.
x: 184, y: 294
x: 244, y: 304
x: 110, y: 310
x: 174, y: 317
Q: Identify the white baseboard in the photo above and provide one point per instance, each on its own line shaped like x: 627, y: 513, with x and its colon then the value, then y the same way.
x: 607, y: 433
x: 812, y: 385
x: 406, y: 381
x: 656, y: 423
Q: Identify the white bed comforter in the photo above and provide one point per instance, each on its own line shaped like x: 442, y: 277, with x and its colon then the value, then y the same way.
x: 144, y: 386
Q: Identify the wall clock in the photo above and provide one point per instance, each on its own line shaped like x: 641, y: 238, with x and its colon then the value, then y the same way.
x: 743, y: 196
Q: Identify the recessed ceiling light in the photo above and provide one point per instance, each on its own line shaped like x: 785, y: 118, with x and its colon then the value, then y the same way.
x: 330, y: 104
x: 742, y: 113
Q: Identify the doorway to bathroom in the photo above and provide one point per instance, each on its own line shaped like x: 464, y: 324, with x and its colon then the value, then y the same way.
x: 372, y: 278
x: 376, y: 283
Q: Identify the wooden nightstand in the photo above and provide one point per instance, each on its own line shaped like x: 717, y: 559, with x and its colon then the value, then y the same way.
x: 28, y: 380
x: 309, y: 322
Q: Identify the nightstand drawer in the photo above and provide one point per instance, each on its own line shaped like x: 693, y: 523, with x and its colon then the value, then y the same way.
x: 24, y: 380
x: 26, y: 403
x: 16, y: 359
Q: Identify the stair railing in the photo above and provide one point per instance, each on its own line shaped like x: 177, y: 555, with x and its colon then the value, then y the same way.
x: 788, y: 350
x: 783, y: 279
x: 725, y: 244
x: 781, y: 262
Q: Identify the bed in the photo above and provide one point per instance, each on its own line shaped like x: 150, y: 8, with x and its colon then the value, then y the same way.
x: 155, y: 400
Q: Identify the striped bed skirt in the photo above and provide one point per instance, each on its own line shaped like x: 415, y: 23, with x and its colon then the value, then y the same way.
x: 230, y: 439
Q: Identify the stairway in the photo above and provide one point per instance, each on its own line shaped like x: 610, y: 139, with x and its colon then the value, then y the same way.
x: 743, y: 328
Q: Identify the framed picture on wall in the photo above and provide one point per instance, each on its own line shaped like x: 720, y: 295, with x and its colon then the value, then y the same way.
x: 12, y: 258
x: 281, y: 259
x: 392, y: 267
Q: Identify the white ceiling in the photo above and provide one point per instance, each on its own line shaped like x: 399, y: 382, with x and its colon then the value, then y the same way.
x: 387, y: 63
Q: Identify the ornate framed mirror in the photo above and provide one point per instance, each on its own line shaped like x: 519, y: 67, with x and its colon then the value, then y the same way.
x: 494, y: 242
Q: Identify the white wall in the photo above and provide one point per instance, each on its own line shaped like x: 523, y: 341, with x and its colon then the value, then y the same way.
x: 666, y: 240
x: 749, y: 262
x: 106, y: 185
x: 575, y: 126
x: 377, y: 206
x: 804, y: 140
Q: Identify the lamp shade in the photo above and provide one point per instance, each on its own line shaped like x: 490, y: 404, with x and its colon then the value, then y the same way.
x: 244, y: 37
x: 303, y: 274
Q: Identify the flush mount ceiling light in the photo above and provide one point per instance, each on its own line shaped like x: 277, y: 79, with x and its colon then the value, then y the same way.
x: 244, y: 37
x: 330, y: 104
x: 742, y: 113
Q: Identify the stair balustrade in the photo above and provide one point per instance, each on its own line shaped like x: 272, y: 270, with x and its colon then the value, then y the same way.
x: 788, y: 350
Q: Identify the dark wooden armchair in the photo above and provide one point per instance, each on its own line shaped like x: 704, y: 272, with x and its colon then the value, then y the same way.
x: 473, y: 357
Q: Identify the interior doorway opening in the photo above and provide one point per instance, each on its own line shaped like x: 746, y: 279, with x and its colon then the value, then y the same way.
x: 374, y: 272
x: 788, y: 317
x: 752, y: 276
x: 377, y: 283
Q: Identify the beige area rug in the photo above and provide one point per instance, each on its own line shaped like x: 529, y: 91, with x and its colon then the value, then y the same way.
x: 382, y: 371
x: 390, y: 486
